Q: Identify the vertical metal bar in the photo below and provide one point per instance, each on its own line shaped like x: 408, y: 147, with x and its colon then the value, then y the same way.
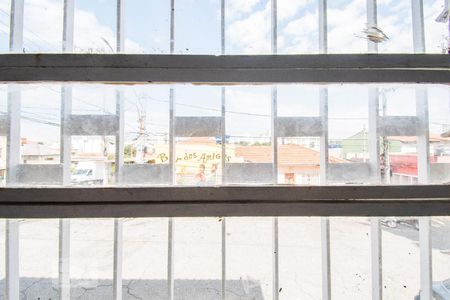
x: 224, y: 259
x: 64, y: 259
x: 66, y: 110
x: 12, y: 260
x: 12, y: 284
x: 172, y: 161
x: 275, y: 236
x: 374, y: 158
x: 375, y: 235
x: 16, y: 26
x: 323, y: 36
x: 418, y: 26
x: 118, y: 254
x: 374, y: 155
x: 423, y: 166
x: 223, y: 157
x: 423, y: 161
x: 170, y: 262
x: 372, y: 21
x: 68, y: 23
x: 326, y: 273
x: 118, y: 223
x: 323, y: 95
x: 120, y: 26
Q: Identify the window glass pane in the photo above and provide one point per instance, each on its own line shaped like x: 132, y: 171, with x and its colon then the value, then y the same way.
x: 298, y: 31
x: 2, y: 257
x: 395, y: 21
x: 91, y: 258
x: 401, y: 258
x: 441, y: 259
x: 348, y: 133
x: 147, y: 26
x: 439, y: 124
x: 146, y: 110
x: 40, y: 124
x: 5, y: 10
x: 145, y: 258
x: 198, y: 258
x: 346, y: 21
x: 197, y: 27
x: 248, y: 130
x: 95, y: 23
x: 249, y: 251
x: 43, y: 26
x: 92, y: 160
x: 248, y: 27
x: 436, y: 27
x: 38, y: 259
x: 300, y: 258
x: 351, y: 277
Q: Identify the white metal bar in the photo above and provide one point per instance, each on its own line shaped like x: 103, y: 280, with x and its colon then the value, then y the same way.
x: 64, y: 259
x: 371, y: 22
x: 423, y: 167
x: 172, y: 161
x: 374, y: 160
x: 119, y: 159
x: 274, y: 114
x: 66, y: 155
x: 223, y: 157
x: 68, y: 25
x: 376, y: 258
x: 120, y: 26
x: 12, y: 274
x: 118, y: 254
x: 224, y: 260
x: 16, y: 26
x: 170, y: 261
x: 323, y: 97
x: 12, y: 287
x: 323, y: 27
x: 326, y: 262
x: 418, y: 26
x: 423, y: 162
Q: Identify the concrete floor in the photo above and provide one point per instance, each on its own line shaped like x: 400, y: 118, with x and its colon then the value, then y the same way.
x: 249, y: 258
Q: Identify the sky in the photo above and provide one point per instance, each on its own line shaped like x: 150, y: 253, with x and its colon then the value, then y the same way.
x: 197, y: 31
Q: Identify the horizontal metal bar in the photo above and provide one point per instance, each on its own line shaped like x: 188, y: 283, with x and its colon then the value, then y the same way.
x: 399, y: 126
x: 421, y: 200
x: 198, y: 126
x: 92, y: 125
x: 40, y: 174
x: 407, y: 68
x: 298, y: 126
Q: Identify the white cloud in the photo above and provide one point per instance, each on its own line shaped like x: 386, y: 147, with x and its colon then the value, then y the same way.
x: 289, y: 8
x: 301, y: 35
x: 238, y: 8
x: 251, y: 35
x: 43, y: 25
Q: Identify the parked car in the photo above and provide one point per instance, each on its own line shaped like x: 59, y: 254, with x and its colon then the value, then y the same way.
x: 441, y: 290
x: 89, y: 172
